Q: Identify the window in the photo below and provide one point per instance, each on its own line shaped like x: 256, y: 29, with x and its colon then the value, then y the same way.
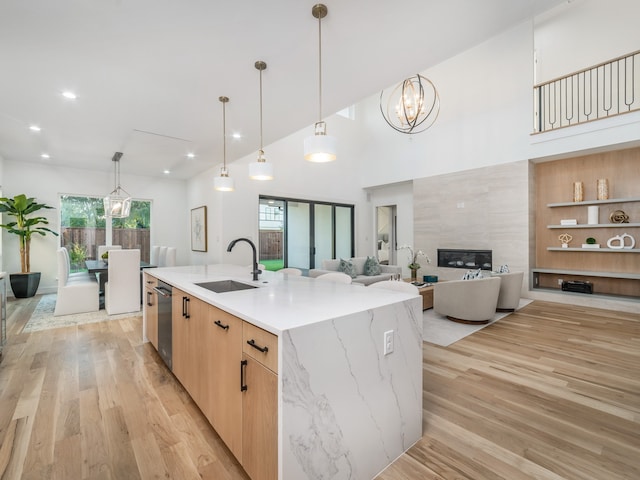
x: 83, y: 227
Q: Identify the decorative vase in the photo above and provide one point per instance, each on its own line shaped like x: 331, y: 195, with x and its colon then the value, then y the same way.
x: 603, y: 189
x: 578, y: 191
x: 593, y: 214
x: 414, y: 274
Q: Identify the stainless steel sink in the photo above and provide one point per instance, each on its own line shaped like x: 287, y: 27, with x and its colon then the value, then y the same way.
x: 223, y: 286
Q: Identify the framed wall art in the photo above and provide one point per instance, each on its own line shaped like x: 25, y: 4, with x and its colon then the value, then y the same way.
x: 199, y: 229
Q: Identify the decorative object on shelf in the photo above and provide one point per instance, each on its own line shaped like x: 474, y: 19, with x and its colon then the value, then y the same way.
x: 603, y: 189
x: 224, y: 183
x: 565, y: 238
x: 619, y: 242
x: 118, y: 203
x: 590, y: 243
x: 320, y: 147
x: 578, y: 191
x: 577, y: 286
x: 568, y: 221
x: 260, y: 169
x: 415, y: 104
x: 593, y: 214
x: 618, y: 216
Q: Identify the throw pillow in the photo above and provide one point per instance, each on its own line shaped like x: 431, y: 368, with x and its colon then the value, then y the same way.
x: 347, y: 267
x: 503, y: 269
x: 371, y: 266
x: 472, y: 274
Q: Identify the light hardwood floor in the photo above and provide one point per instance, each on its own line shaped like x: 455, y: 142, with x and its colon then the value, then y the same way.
x: 551, y: 392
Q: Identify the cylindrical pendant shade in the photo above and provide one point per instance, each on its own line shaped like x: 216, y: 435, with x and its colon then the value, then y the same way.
x: 223, y: 184
x: 261, y: 171
x: 320, y: 148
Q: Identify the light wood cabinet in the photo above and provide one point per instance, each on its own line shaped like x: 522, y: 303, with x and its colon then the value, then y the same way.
x: 188, y: 342
x: 229, y: 367
x: 259, y: 404
x: 151, y: 309
x: 223, y: 398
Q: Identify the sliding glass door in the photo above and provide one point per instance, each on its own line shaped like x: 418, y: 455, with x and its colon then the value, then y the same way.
x: 311, y: 232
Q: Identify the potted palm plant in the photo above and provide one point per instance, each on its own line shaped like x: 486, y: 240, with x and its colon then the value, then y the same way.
x: 24, y: 284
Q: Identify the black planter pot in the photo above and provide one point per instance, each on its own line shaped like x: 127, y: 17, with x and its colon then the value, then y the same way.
x: 24, y: 285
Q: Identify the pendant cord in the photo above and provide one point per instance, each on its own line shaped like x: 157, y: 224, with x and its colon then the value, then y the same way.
x: 224, y: 136
x: 261, y: 110
x: 320, y: 67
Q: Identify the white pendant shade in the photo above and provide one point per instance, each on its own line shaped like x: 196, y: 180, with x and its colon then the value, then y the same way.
x: 223, y: 183
x: 320, y: 148
x: 261, y: 171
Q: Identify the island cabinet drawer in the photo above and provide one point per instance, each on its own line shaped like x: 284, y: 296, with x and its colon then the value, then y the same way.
x: 260, y: 345
x: 150, y: 281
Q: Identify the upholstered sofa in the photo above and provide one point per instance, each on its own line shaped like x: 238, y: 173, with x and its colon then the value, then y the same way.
x: 386, y: 271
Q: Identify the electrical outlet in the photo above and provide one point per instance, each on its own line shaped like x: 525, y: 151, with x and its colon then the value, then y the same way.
x: 560, y: 281
x: 388, y: 342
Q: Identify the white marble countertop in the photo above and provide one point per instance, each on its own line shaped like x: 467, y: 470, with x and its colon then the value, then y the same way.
x: 281, y: 302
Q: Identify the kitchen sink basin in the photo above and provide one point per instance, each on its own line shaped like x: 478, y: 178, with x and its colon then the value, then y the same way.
x: 223, y: 286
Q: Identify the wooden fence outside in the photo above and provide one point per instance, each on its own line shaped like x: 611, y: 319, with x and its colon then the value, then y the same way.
x: 271, y: 245
x: 91, y: 237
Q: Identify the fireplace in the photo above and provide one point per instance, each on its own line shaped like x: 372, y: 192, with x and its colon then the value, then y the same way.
x: 458, y: 258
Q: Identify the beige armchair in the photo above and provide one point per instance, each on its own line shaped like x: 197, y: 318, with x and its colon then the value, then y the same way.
x: 467, y: 301
x: 510, y: 290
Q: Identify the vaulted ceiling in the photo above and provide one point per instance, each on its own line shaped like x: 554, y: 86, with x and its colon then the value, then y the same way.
x: 148, y: 73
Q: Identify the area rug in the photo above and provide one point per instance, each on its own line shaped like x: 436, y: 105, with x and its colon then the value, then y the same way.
x: 42, y: 317
x: 439, y: 330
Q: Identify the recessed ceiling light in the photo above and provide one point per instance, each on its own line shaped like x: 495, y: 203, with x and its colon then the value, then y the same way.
x: 45, y: 155
x: 236, y: 136
x: 34, y: 128
x: 166, y: 172
x: 191, y: 155
x: 69, y: 94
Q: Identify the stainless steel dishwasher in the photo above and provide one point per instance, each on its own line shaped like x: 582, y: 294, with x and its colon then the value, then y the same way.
x: 164, y: 292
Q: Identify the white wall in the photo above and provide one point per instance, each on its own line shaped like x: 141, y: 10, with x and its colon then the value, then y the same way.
x: 235, y: 214
x: 584, y: 33
x: 169, y: 224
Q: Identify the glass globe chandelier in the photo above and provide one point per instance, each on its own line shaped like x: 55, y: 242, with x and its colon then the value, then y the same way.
x: 412, y: 106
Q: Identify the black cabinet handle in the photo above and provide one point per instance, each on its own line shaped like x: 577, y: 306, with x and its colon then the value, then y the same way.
x: 219, y: 323
x: 149, y: 304
x: 185, y: 307
x: 243, y: 364
x: 264, y: 349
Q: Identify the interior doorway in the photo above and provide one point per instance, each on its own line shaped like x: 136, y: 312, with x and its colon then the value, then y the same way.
x: 386, y: 234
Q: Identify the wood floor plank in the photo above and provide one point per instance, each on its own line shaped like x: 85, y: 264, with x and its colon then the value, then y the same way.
x: 549, y: 392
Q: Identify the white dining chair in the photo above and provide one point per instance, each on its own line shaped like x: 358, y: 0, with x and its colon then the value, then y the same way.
x: 294, y: 272
x: 170, y: 259
x: 106, y: 248
x: 122, y: 290
x: 337, y: 277
x: 155, y: 256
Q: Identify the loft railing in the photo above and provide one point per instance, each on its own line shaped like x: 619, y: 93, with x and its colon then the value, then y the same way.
x: 605, y: 90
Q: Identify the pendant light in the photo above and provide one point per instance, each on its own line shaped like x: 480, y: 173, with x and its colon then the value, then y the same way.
x: 118, y: 203
x: 224, y: 183
x: 320, y: 147
x: 260, y: 169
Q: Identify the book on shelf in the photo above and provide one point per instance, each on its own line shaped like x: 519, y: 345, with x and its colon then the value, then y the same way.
x: 568, y: 221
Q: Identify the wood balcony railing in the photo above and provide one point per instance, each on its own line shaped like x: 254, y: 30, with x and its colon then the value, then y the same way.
x: 602, y: 91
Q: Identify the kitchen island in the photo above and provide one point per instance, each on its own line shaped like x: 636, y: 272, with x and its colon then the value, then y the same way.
x: 330, y: 403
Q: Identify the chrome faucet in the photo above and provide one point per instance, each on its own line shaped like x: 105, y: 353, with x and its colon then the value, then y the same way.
x: 256, y: 271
